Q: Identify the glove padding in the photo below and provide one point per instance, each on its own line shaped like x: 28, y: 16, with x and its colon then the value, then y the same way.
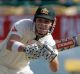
x: 32, y: 51
x: 48, y: 52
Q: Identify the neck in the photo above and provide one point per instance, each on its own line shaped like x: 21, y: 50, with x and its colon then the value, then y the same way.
x: 38, y: 36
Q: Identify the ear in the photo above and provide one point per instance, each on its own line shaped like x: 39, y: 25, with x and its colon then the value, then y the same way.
x: 54, y: 24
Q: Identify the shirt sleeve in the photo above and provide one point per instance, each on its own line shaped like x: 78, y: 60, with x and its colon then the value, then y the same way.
x: 23, y: 28
x: 17, y: 29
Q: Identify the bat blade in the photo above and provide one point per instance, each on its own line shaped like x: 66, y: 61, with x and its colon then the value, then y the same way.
x: 68, y: 43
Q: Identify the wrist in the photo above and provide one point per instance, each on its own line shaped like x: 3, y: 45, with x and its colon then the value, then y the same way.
x: 17, y: 46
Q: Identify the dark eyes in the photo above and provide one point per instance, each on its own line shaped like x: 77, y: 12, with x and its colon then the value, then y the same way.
x: 43, y: 20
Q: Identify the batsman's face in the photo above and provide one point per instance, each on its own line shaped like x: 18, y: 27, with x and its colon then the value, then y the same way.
x: 42, y: 26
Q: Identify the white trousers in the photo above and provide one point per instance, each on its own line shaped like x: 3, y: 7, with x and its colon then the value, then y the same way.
x: 5, y: 70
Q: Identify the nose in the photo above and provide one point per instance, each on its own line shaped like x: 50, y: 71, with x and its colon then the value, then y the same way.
x: 43, y: 25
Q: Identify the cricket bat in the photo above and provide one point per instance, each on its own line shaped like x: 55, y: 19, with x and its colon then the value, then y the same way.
x: 68, y: 43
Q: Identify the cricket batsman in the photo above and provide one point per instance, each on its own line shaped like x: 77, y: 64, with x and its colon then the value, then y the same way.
x: 27, y: 40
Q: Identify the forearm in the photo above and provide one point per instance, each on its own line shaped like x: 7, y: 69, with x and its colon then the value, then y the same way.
x: 54, y: 65
x: 12, y: 44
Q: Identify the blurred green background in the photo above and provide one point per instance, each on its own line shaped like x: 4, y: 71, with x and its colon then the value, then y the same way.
x: 20, y: 7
